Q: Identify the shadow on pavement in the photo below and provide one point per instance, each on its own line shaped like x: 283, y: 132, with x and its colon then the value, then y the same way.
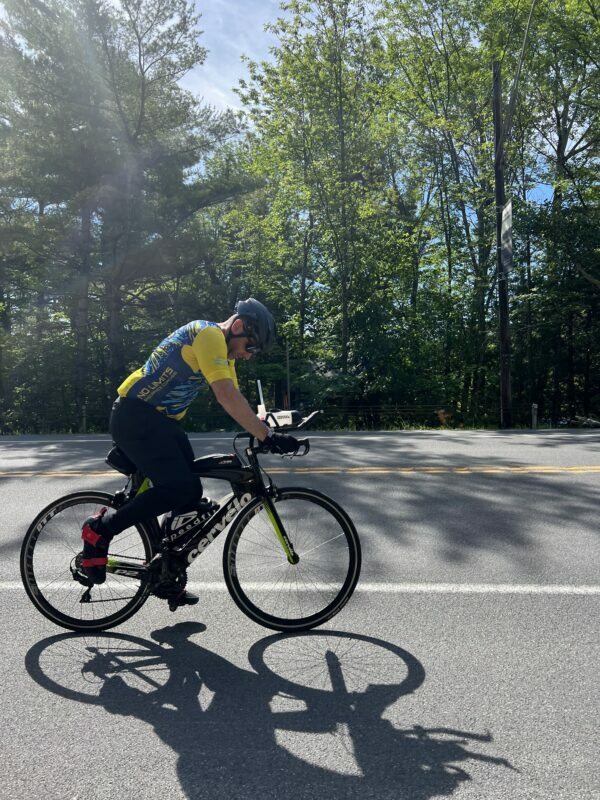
x: 310, y: 719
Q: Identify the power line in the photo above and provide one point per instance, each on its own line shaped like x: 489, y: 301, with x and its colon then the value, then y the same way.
x: 513, y: 94
x: 510, y: 33
x: 489, y: 95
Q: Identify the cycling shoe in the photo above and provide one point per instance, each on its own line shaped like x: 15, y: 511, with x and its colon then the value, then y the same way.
x: 95, y: 548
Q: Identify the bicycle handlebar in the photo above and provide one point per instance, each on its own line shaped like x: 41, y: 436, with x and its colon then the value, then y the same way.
x: 271, y: 419
x: 262, y: 447
x: 302, y: 443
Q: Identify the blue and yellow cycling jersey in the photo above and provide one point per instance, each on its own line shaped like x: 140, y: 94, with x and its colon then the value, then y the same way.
x: 187, y: 361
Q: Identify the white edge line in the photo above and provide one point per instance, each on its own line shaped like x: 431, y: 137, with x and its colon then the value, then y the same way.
x: 409, y: 588
x: 477, y: 588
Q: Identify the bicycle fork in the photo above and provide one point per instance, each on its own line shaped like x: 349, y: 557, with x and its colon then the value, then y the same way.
x: 278, y: 527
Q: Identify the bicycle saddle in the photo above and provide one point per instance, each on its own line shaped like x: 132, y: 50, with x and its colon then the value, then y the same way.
x: 117, y: 459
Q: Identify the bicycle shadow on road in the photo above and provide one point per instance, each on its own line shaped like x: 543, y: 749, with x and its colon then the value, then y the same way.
x: 310, y: 719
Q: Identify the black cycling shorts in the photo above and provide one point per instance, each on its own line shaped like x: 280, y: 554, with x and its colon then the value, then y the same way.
x: 161, y: 450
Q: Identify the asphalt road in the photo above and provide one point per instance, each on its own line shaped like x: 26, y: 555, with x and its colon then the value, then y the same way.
x: 465, y: 665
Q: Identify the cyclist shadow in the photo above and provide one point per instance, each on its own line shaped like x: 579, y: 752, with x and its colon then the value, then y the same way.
x: 244, y: 733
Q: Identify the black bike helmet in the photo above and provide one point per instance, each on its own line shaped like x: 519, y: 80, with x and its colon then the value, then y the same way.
x: 259, y: 324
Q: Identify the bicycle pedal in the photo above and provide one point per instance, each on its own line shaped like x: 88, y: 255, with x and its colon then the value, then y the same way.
x: 183, y: 599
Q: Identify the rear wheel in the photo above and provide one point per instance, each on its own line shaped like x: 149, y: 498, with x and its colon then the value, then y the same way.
x: 284, y: 596
x: 50, y: 556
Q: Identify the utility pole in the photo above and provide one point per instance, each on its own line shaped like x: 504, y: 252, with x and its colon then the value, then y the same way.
x: 503, y: 253
x: 504, y: 223
x: 287, y: 363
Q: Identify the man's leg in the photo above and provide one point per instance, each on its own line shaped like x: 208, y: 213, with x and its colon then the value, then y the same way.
x: 160, y: 449
x: 162, y: 452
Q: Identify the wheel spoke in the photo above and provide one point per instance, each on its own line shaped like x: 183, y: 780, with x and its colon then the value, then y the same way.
x: 51, y: 553
x: 288, y: 596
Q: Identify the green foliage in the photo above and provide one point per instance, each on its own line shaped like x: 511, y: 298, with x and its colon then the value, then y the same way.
x: 355, y: 197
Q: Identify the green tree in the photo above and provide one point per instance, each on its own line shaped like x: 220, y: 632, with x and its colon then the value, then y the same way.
x: 311, y: 110
x: 99, y: 138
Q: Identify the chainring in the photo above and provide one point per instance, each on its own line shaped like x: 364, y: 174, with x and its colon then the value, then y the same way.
x: 167, y: 576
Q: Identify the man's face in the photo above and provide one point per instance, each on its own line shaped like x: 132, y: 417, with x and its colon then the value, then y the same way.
x: 236, y: 347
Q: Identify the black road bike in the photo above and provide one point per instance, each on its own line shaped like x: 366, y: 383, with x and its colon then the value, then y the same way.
x: 291, y: 559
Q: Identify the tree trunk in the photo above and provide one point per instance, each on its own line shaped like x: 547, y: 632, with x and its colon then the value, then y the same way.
x: 588, y: 363
x: 116, y: 349
x: 556, y: 393
x: 80, y: 319
x: 447, y: 228
x: 3, y: 398
x: 571, y: 367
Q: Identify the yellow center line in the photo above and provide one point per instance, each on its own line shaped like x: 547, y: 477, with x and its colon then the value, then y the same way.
x: 382, y: 470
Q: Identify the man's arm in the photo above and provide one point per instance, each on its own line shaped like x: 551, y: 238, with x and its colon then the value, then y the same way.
x: 236, y: 405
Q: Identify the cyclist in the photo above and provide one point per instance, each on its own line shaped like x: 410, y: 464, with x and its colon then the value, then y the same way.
x: 151, y: 403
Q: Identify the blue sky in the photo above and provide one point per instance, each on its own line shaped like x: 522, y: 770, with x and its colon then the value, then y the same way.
x: 232, y: 28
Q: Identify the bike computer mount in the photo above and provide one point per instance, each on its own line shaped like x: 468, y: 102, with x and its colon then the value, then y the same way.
x: 281, y: 420
x: 287, y: 420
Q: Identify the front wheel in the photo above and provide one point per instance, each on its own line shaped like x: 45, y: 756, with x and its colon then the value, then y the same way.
x: 50, y: 557
x: 284, y: 596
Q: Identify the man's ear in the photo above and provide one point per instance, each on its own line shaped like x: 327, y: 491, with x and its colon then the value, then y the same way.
x: 238, y: 326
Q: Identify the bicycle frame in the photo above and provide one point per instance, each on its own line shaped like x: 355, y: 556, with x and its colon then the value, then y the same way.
x: 247, y: 483
x: 229, y: 508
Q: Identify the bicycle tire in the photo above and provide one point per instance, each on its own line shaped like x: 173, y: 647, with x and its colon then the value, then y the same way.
x: 54, y: 536
x: 283, y: 596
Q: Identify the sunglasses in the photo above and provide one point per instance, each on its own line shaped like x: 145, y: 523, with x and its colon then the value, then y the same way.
x: 252, y: 345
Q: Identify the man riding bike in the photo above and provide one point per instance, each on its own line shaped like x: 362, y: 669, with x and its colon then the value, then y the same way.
x: 152, y: 402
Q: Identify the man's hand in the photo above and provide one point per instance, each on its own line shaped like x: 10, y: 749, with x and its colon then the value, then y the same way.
x: 281, y: 444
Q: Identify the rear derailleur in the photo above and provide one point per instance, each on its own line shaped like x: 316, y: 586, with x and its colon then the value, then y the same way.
x: 79, y: 575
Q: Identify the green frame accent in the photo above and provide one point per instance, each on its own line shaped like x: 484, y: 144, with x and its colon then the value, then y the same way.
x: 284, y: 541
x: 146, y: 484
